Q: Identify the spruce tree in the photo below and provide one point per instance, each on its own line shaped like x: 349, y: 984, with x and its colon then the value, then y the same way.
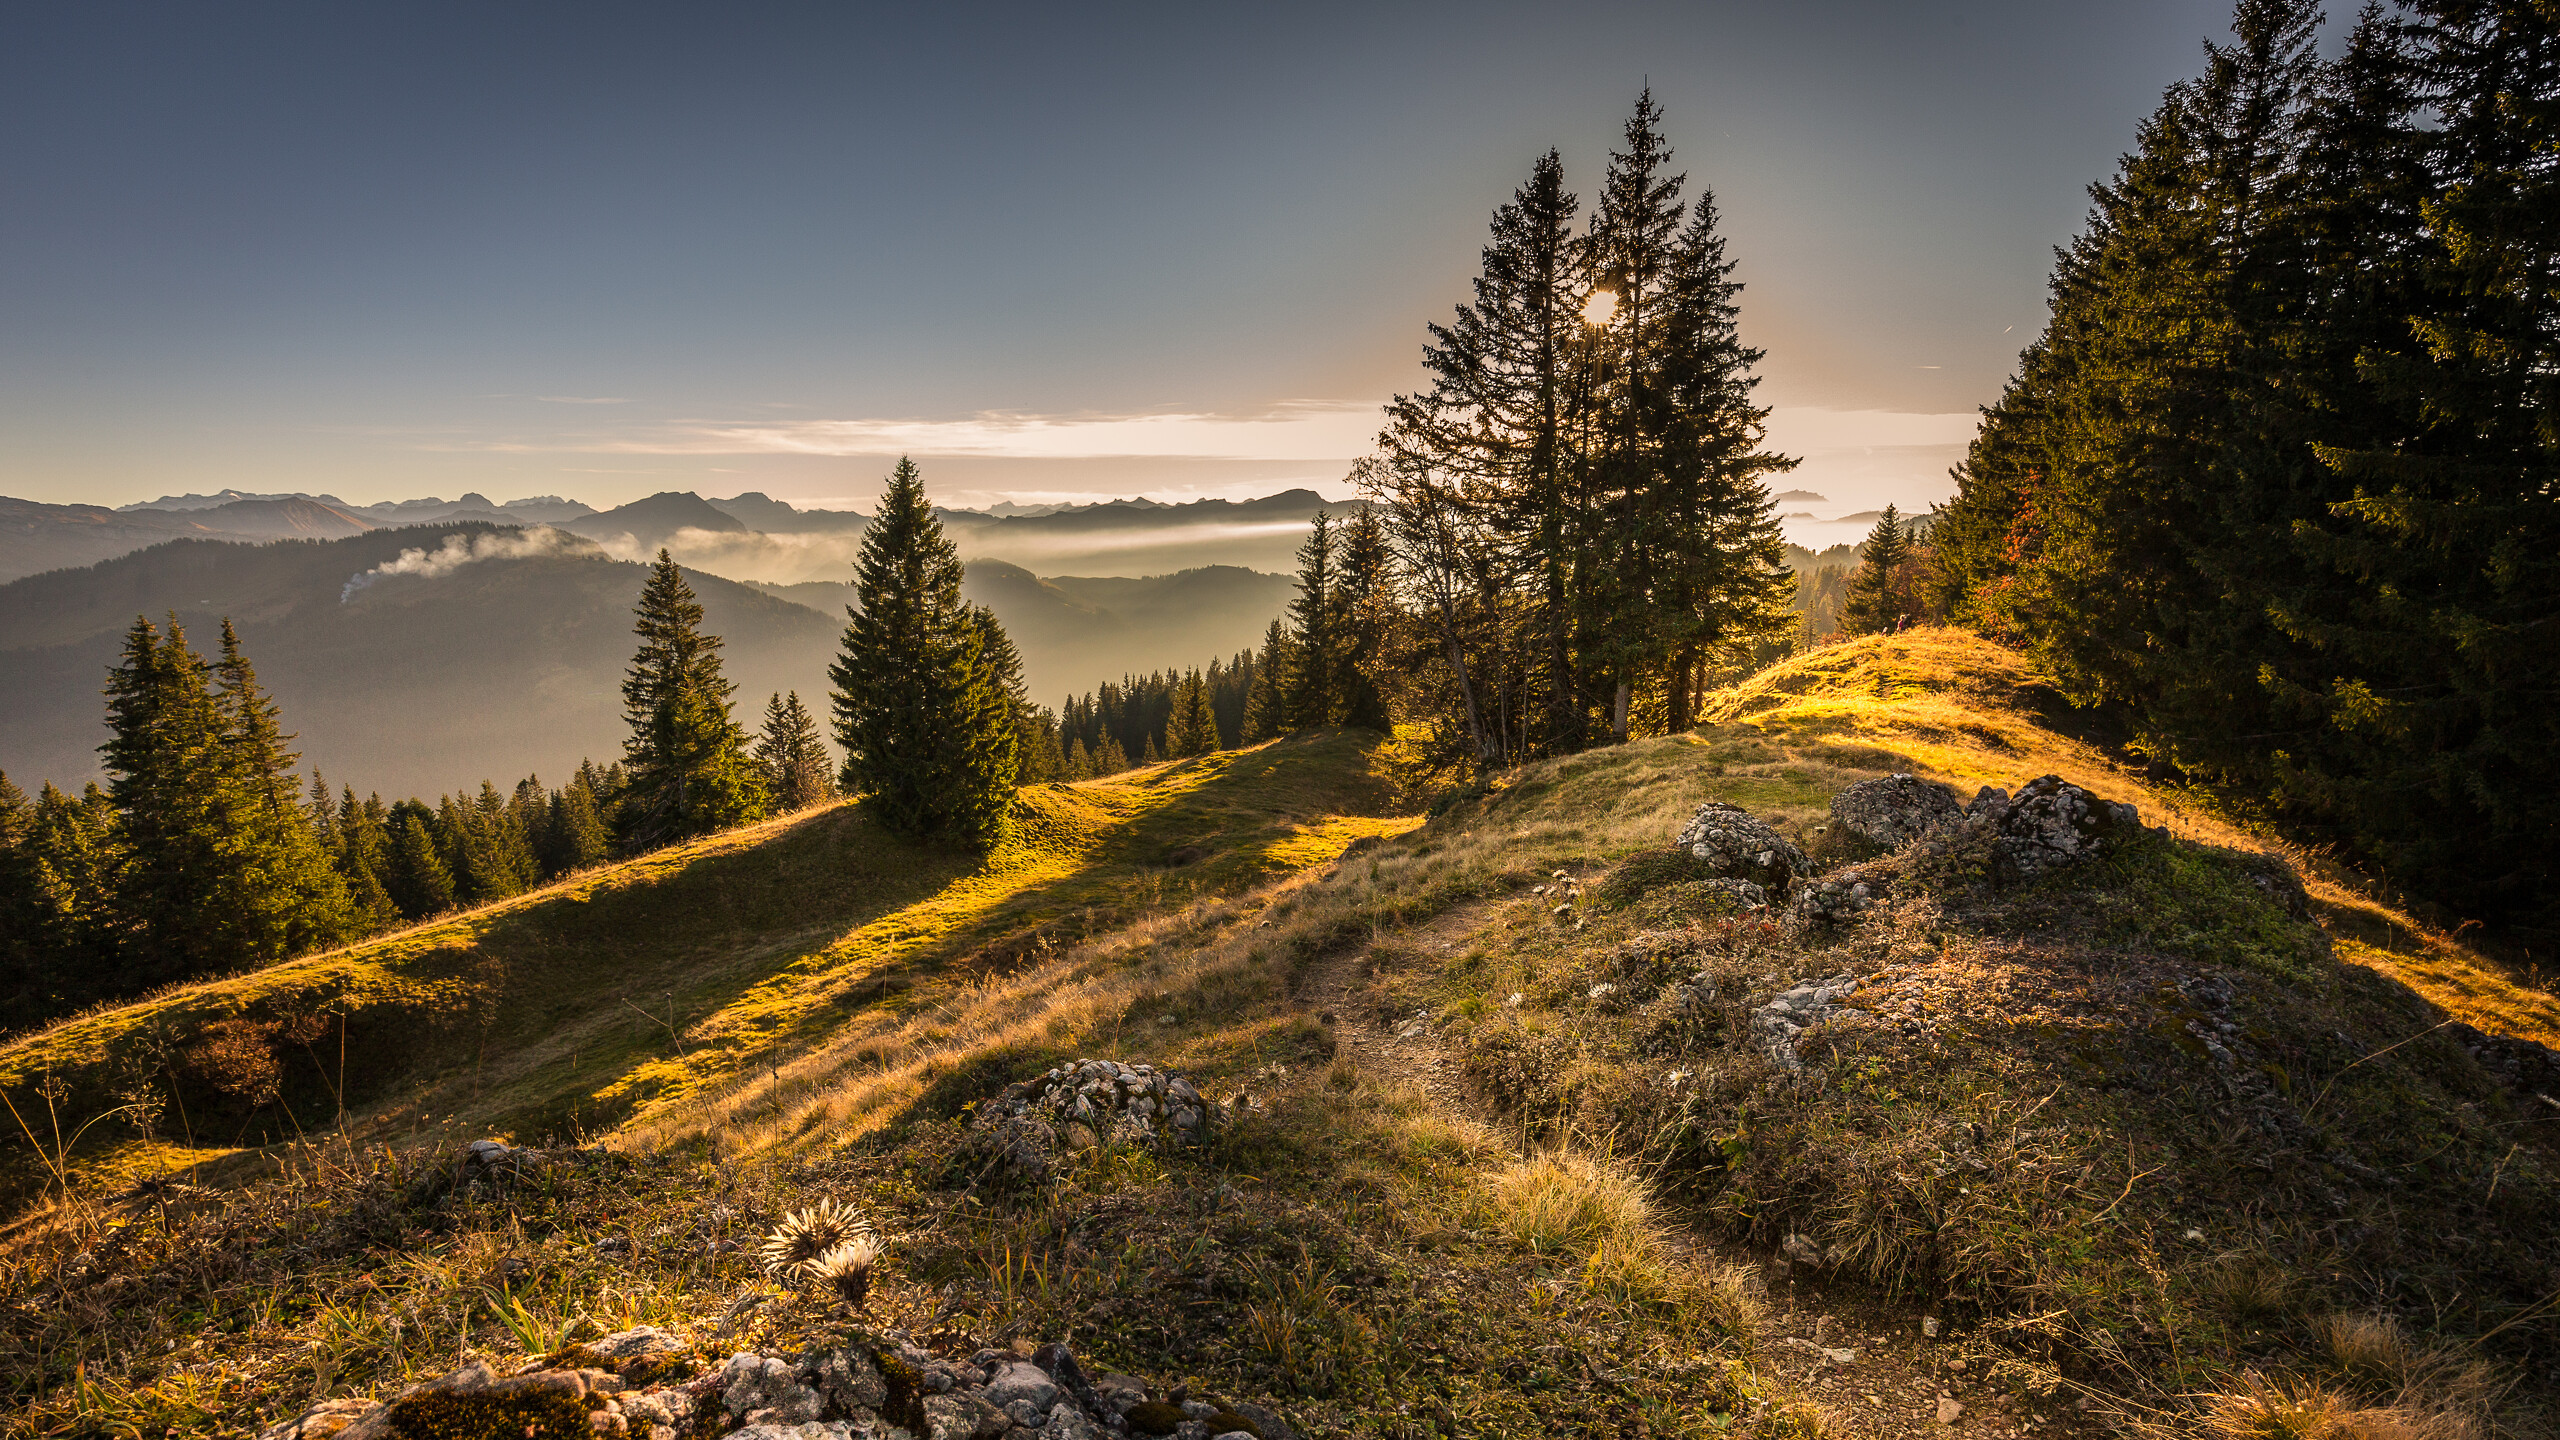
x: 1363, y: 603
x: 798, y: 772
x: 1501, y: 426
x: 415, y: 872
x: 926, y: 723
x: 216, y: 867
x: 31, y: 953
x: 1316, y: 654
x: 1265, y: 713
x: 686, y: 767
x: 1194, y: 727
x: 1876, y: 593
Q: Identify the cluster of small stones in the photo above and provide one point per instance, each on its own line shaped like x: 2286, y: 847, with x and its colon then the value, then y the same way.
x: 1735, y: 846
x: 1115, y: 1101
x: 1834, y: 900
x: 1777, y: 1024
x: 884, y: 1389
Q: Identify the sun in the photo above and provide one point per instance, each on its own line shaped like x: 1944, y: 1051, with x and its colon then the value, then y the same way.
x: 1601, y: 305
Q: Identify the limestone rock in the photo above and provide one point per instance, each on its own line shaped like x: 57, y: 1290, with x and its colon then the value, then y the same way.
x: 1833, y: 901
x: 1777, y: 1024
x: 1735, y: 846
x: 2051, y: 824
x: 1103, y: 1099
x: 1894, y: 810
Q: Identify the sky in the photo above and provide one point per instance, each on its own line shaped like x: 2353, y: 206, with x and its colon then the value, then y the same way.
x: 1055, y: 252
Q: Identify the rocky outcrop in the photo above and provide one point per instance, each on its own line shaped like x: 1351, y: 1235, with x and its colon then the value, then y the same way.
x: 2051, y: 824
x: 872, y: 1387
x: 1832, y: 901
x: 1734, y: 846
x: 1777, y: 1024
x: 1083, y: 1103
x: 1893, y: 810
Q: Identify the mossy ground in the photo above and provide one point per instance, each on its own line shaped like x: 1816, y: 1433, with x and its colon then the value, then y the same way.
x: 2012, y: 1128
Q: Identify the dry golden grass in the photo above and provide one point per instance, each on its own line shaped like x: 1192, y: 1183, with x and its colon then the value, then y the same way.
x: 2264, y: 1408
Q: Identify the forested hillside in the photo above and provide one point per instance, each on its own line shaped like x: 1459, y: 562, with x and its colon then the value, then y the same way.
x: 2281, y: 479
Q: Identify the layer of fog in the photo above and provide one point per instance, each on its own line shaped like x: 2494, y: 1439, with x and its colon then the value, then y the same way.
x: 460, y: 550
x: 1267, y: 546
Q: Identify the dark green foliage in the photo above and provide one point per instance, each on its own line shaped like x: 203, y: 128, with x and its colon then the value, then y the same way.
x: 1309, y: 695
x: 1575, y: 509
x: 798, y: 772
x: 574, y: 834
x: 687, y: 771
x: 2281, y: 478
x: 1193, y: 729
x: 416, y: 875
x: 1880, y: 590
x: 1117, y: 721
x: 925, y: 716
x: 1264, y: 715
x: 214, y: 867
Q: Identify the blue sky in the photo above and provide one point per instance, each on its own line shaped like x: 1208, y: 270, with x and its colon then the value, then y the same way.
x: 388, y: 250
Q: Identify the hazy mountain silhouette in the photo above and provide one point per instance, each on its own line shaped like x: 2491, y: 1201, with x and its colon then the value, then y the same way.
x: 1076, y: 633
x: 468, y: 651
x: 36, y: 537
x: 498, y: 668
x: 649, y: 523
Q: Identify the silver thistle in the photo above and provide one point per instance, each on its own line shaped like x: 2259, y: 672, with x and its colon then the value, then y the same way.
x: 806, y: 1236
x: 847, y: 1269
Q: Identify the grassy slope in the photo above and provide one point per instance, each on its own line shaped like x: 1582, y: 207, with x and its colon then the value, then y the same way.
x: 553, y: 1008
x: 842, y: 1000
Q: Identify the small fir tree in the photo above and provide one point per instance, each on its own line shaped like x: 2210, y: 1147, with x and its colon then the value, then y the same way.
x: 687, y: 770
x: 798, y: 772
x: 1194, y: 728
x: 1878, y: 590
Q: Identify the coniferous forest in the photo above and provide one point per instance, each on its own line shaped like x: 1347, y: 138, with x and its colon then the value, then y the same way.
x: 2280, y: 482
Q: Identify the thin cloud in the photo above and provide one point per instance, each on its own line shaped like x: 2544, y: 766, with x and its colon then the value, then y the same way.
x: 1308, y: 430
x: 583, y: 399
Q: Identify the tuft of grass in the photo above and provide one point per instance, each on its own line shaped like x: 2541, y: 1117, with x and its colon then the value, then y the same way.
x: 2263, y: 1408
x: 1565, y: 1201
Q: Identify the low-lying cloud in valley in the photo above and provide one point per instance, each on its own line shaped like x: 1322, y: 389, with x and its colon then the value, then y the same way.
x: 460, y: 550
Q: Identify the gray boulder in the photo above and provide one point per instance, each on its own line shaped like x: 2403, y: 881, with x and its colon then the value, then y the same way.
x: 1833, y: 901
x: 2051, y: 824
x: 1735, y: 846
x: 1777, y: 1024
x: 1893, y: 810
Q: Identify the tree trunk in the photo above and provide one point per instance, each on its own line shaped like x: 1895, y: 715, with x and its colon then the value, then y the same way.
x: 1618, y: 712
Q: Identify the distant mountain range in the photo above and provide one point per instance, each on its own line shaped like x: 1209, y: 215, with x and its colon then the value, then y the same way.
x: 748, y: 536
x: 416, y: 659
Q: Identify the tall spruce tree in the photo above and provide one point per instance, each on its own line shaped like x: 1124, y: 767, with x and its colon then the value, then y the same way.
x: 214, y: 865
x: 1194, y: 727
x: 1499, y: 434
x: 1266, y: 703
x: 798, y: 772
x: 304, y: 896
x: 1878, y: 588
x: 925, y: 719
x: 1363, y: 603
x: 686, y: 767
x: 1312, y: 697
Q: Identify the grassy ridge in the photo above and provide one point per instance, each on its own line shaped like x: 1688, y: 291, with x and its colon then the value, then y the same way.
x: 629, y: 990
x: 841, y: 1001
